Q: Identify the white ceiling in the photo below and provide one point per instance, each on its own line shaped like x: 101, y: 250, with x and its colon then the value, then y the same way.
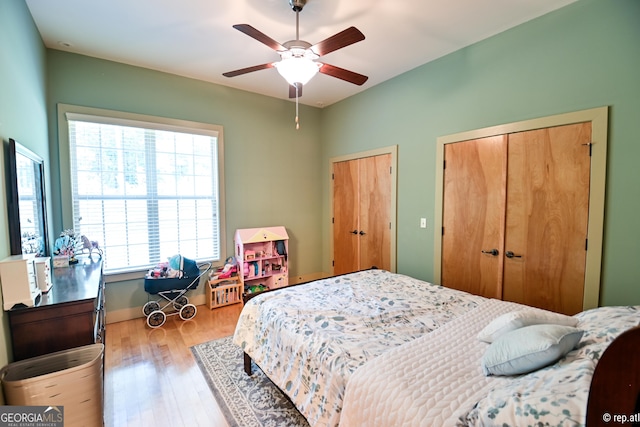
x: 195, y: 38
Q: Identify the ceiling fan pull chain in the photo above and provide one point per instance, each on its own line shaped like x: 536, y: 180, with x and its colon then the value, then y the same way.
x: 297, y: 120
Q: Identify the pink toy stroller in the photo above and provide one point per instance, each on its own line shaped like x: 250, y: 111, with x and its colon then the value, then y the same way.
x: 172, y: 292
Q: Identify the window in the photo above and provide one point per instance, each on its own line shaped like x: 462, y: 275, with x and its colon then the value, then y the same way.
x: 146, y: 190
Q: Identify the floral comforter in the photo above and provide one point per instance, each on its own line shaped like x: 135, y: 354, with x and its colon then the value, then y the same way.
x: 310, y: 339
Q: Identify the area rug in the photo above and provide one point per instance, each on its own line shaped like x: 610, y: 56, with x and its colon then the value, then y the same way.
x: 246, y: 401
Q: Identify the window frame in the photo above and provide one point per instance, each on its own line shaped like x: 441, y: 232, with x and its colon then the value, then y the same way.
x: 121, y: 118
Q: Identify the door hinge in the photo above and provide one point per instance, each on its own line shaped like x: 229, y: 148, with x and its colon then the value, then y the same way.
x: 333, y: 220
x: 390, y: 170
x: 443, y: 231
x: 444, y: 164
x: 333, y: 263
x: 333, y: 176
x: 590, y: 145
x: 586, y: 244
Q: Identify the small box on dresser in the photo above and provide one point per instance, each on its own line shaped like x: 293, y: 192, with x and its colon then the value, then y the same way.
x: 60, y: 261
x: 43, y: 273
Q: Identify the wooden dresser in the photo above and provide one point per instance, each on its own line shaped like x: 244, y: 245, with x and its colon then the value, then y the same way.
x: 71, y: 314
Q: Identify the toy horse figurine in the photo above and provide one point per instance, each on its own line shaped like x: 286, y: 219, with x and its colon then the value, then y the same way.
x: 91, y: 245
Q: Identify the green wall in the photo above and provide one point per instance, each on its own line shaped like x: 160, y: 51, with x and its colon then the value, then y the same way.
x: 23, y: 114
x: 582, y: 56
x: 272, y: 172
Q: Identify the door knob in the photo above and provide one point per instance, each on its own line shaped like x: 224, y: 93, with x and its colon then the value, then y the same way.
x: 362, y: 233
x: 510, y: 254
x: 354, y: 232
x: 493, y: 252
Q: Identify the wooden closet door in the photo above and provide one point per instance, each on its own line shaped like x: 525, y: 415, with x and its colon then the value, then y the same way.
x: 375, y: 212
x: 473, y: 215
x: 346, y: 213
x: 362, y: 214
x: 547, y: 214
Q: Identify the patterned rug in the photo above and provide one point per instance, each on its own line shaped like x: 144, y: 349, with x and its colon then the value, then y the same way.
x: 247, y: 401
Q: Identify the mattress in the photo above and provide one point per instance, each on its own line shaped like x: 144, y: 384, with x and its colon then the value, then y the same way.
x: 380, y: 349
x: 431, y: 381
x: 309, y: 339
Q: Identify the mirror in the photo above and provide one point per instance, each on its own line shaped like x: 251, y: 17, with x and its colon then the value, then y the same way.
x: 27, y: 211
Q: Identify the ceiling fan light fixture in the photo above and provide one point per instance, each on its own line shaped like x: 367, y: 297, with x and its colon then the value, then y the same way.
x: 297, y: 63
x: 297, y: 69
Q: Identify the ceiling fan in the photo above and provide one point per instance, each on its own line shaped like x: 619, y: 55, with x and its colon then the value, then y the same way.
x: 298, y: 58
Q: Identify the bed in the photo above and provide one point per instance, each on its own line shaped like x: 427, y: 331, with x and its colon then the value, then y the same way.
x: 378, y: 349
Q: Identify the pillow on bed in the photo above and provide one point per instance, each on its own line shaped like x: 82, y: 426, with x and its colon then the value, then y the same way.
x: 528, y: 349
x: 517, y: 319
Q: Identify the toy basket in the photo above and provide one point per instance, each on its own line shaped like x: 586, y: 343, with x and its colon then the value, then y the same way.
x: 70, y: 378
x: 224, y: 292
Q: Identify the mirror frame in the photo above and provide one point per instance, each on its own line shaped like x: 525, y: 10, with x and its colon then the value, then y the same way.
x: 12, y: 149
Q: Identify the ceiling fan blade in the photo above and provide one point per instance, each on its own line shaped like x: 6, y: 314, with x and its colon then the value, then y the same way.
x: 341, y: 73
x: 248, y: 70
x: 337, y: 41
x: 260, y: 36
x: 292, y: 90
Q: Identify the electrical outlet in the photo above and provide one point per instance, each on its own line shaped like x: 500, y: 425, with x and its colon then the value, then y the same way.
x: 423, y: 222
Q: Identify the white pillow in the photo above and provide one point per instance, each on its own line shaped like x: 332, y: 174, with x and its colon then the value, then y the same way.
x: 517, y: 319
x: 528, y: 349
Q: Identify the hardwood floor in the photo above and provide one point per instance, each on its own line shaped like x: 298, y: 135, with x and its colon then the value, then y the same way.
x: 151, y: 377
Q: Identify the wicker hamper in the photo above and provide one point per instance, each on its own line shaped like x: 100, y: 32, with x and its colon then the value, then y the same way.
x: 70, y: 378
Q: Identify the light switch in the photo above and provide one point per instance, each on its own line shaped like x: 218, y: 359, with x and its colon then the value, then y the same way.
x: 423, y: 222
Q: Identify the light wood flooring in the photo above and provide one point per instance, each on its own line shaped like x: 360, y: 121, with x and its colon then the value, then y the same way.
x: 151, y: 377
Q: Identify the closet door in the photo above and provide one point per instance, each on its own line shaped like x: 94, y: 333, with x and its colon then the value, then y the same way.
x: 547, y: 214
x: 375, y: 212
x: 473, y: 215
x: 362, y: 214
x: 529, y: 247
x: 346, y: 214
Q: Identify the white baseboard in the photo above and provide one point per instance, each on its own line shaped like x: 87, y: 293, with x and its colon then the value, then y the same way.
x: 131, y: 313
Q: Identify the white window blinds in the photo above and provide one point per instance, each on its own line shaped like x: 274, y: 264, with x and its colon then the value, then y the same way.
x: 144, y: 191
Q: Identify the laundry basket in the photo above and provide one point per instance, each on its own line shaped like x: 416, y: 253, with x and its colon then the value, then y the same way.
x: 70, y: 378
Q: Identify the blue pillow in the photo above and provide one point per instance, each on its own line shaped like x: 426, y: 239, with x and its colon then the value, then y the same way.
x: 528, y: 349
